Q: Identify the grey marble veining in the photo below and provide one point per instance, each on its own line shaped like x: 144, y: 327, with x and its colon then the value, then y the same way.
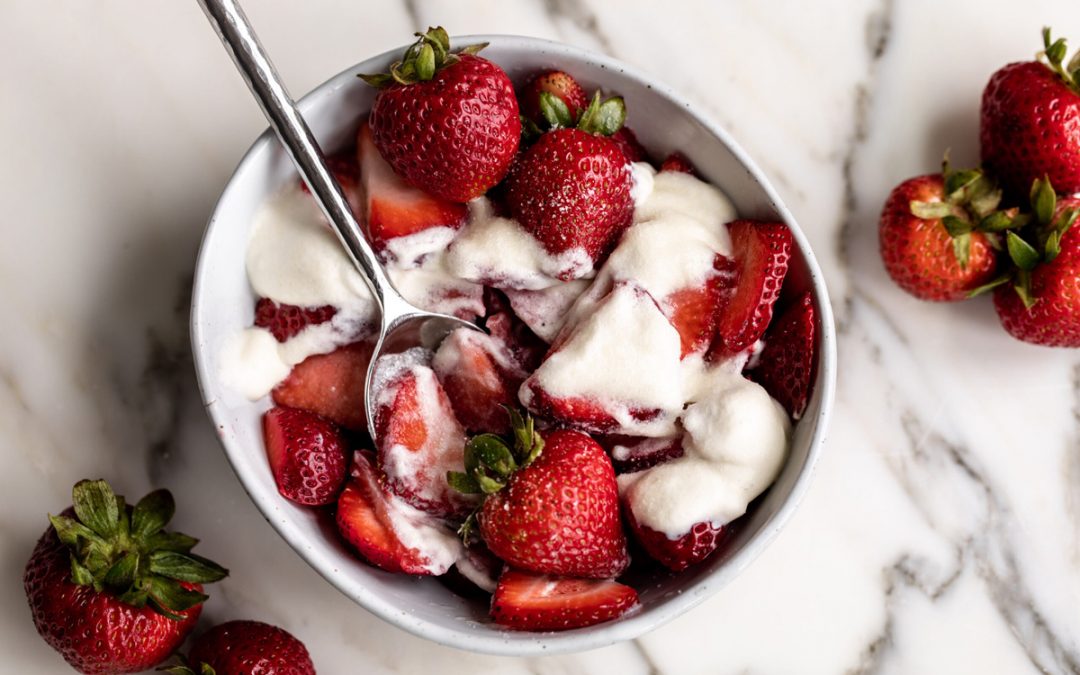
x: 942, y: 532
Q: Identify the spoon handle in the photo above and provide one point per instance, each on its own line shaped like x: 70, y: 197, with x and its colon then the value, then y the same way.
x: 241, y: 42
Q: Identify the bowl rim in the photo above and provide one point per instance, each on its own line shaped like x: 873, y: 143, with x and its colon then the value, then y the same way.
x: 532, y: 644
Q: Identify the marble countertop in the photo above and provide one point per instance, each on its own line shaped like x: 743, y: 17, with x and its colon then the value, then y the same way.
x: 942, y: 531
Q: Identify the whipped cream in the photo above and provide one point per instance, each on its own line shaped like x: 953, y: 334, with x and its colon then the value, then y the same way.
x: 735, y: 442
x: 624, y: 355
x: 545, y: 311
x: 497, y: 251
x: 441, y: 547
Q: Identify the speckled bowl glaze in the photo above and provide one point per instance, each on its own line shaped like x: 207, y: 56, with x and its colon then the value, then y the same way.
x: 222, y: 304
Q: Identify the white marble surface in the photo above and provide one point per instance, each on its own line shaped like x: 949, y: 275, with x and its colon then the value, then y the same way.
x: 942, y: 532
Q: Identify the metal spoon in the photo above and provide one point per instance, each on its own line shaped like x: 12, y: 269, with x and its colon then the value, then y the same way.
x: 402, y: 325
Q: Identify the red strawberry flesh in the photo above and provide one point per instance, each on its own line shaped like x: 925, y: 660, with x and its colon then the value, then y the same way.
x: 786, y: 365
x: 331, y: 385
x: 537, y: 602
x: 286, y: 321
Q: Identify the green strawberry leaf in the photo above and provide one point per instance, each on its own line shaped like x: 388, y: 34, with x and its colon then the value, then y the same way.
x: 169, y: 595
x: 79, y: 574
x: 554, y: 111
x: 121, y: 575
x: 956, y: 181
x: 957, y: 227
x: 186, y: 567
x: 1023, y: 288
x: 962, y: 248
x: 931, y: 210
x: 998, y: 221
x: 425, y: 63
x: 1022, y: 253
x: 1053, y: 247
x: 96, y: 506
x: 991, y: 285
x: 152, y: 513
x: 1043, y: 200
x: 493, y: 454
x: 463, y: 483
x: 171, y: 541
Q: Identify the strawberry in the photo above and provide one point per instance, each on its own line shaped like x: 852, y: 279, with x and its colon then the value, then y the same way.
x: 677, y: 554
x: 538, y: 602
x: 937, y: 234
x: 109, y: 588
x: 392, y: 207
x: 1042, y: 304
x: 785, y: 367
x: 678, y: 162
x: 285, y: 321
x: 373, y: 520
x: 307, y: 455
x: 1030, y: 121
x: 480, y: 375
x: 571, y: 189
x: 630, y: 454
x: 761, y: 251
x: 553, y: 97
x: 524, y: 346
x: 631, y: 147
x: 346, y: 172
x: 331, y: 385
x: 447, y: 123
x: 246, y: 648
x: 419, y: 438
x: 552, y: 504
x: 694, y: 312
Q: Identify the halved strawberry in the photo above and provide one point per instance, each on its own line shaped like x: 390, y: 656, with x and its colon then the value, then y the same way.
x: 395, y: 208
x: 419, y: 438
x: 285, y: 321
x: 480, y: 376
x: 524, y: 345
x: 678, y: 162
x: 786, y: 365
x: 540, y: 602
x: 630, y: 454
x: 761, y: 251
x: 307, y: 455
x: 629, y: 144
x: 366, y: 519
x: 346, y: 171
x: 331, y: 385
x: 677, y: 554
x: 694, y: 312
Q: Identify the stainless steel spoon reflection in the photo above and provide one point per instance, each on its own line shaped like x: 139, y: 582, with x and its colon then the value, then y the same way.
x: 402, y: 325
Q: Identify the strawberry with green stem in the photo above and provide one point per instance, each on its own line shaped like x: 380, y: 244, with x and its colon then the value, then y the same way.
x: 938, y: 233
x: 446, y: 122
x: 103, y: 558
x: 1038, y: 298
x: 551, y: 502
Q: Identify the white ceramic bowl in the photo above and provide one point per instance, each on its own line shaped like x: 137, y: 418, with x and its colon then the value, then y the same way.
x: 222, y: 305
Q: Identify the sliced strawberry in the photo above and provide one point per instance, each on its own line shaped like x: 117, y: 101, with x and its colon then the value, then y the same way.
x: 395, y: 208
x: 539, y: 602
x: 307, y: 455
x: 331, y: 385
x: 480, y: 377
x: 366, y: 519
x: 545, y: 311
x: 694, y: 312
x: 630, y: 454
x: 524, y: 345
x: 678, y: 162
x: 786, y: 365
x: 285, y: 321
x: 678, y: 554
x: 761, y: 251
x: 419, y: 438
x: 629, y: 144
x: 346, y: 171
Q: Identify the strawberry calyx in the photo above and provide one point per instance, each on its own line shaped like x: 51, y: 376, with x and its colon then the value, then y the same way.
x: 185, y: 668
x: 425, y: 57
x: 603, y: 117
x: 126, y: 552
x: 970, y: 205
x: 490, y: 460
x: 1037, y: 243
x: 1053, y: 56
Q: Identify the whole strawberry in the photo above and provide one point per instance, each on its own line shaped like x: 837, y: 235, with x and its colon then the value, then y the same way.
x: 552, y: 503
x: 1030, y: 121
x: 571, y: 189
x: 553, y: 97
x: 109, y: 588
x: 1040, y: 301
x: 935, y: 234
x: 246, y: 648
x: 447, y: 123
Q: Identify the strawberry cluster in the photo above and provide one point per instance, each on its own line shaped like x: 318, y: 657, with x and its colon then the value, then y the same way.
x: 1007, y: 227
x: 457, y: 483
